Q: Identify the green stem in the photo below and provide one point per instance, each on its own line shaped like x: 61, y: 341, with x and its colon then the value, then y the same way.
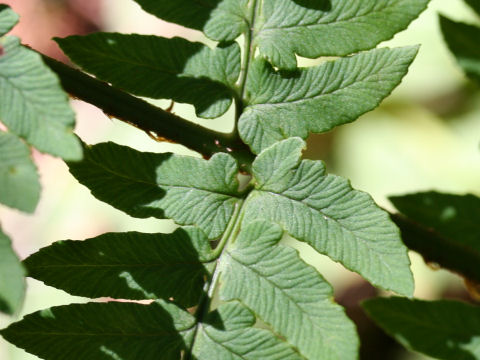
x: 248, y: 55
x: 211, y: 286
x: 147, y: 117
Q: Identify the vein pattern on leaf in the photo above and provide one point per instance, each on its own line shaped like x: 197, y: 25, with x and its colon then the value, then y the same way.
x: 189, y: 190
x: 228, y: 334
x: 157, y: 67
x: 285, y: 292
x: 221, y: 20
x: 32, y: 103
x: 112, y: 330
x: 313, y: 28
x: 19, y: 183
x: 128, y: 266
x: 8, y: 19
x: 324, y: 211
x: 316, y: 99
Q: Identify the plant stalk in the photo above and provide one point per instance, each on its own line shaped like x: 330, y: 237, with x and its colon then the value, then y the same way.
x: 155, y: 121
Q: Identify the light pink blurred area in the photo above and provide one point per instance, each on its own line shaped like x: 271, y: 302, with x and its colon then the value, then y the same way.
x: 41, y: 20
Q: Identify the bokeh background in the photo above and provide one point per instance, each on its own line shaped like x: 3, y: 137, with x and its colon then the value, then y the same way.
x: 425, y: 136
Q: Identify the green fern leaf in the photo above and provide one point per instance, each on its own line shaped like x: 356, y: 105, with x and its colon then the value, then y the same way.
x: 100, y: 331
x: 8, y: 19
x: 19, y: 184
x: 188, y: 190
x: 446, y: 330
x: 316, y: 99
x: 325, y: 212
x: 286, y: 293
x: 221, y: 20
x: 171, y: 68
x: 128, y: 266
x: 32, y: 103
x: 313, y: 28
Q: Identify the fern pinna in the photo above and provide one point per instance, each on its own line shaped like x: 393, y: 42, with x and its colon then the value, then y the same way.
x: 223, y: 286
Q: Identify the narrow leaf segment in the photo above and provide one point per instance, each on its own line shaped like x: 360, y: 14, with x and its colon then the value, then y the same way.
x: 316, y: 99
x: 447, y: 330
x: 329, y: 27
x: 221, y: 20
x: 188, y: 190
x: 325, y: 212
x: 99, y: 331
x: 128, y: 266
x: 171, y: 68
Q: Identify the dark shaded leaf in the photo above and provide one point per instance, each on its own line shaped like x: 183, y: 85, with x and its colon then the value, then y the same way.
x: 128, y: 266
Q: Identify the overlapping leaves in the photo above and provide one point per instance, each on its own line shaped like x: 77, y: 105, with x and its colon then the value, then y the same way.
x: 270, y: 279
x: 188, y: 190
x: 163, y: 68
x: 324, y: 211
x: 35, y: 109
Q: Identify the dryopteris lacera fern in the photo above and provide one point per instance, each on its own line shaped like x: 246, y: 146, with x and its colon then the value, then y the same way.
x: 222, y: 286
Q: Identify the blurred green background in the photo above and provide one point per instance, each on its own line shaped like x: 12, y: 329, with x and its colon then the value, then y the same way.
x: 425, y: 136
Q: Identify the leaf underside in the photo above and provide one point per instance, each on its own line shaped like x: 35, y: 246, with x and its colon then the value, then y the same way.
x: 8, y: 19
x: 325, y: 212
x: 188, y: 190
x: 316, y: 99
x: 32, y: 103
x: 447, y: 330
x: 313, y: 28
x: 19, y: 183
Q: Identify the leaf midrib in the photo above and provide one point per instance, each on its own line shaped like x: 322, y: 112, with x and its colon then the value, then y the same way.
x: 300, y: 309
x: 344, y: 228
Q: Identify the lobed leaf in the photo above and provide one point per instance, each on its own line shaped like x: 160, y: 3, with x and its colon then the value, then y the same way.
x: 8, y: 19
x: 462, y: 39
x: 286, y: 293
x: 163, y: 68
x: 313, y: 28
x: 316, y: 99
x: 100, y: 331
x: 12, y: 282
x: 221, y: 20
x: 189, y: 190
x: 228, y: 334
x: 446, y: 330
x: 444, y: 228
x: 128, y: 266
x: 32, y: 103
x: 19, y: 183
x: 325, y: 212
